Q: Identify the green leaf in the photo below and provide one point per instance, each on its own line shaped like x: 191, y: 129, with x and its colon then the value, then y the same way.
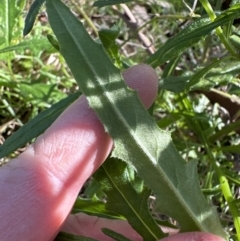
x: 31, y: 16
x: 103, y: 3
x: 35, y: 127
x: 125, y: 200
x: 39, y: 91
x: 200, y: 74
x: 189, y: 36
x: 174, y: 83
x: 226, y: 130
x: 114, y: 235
x: 170, y: 67
x: 53, y: 41
x: 235, y: 40
x: 232, y: 148
x: 70, y: 237
x: 204, y: 78
x: 137, y: 139
x: 9, y: 12
x: 27, y: 44
x: 94, y: 208
x: 108, y: 36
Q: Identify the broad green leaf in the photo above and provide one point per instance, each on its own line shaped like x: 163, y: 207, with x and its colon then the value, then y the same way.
x: 189, y: 36
x: 93, y: 207
x: 31, y: 16
x: 114, y: 235
x: 35, y: 127
x: 102, y: 3
x: 125, y: 200
x: 70, y: 237
x: 136, y: 136
x: 9, y: 12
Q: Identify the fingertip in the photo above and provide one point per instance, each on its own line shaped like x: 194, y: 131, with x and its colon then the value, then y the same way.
x: 143, y: 78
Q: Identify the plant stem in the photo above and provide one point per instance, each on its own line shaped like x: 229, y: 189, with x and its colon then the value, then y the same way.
x: 221, y: 176
x: 225, y: 189
x: 219, y: 31
x: 85, y: 16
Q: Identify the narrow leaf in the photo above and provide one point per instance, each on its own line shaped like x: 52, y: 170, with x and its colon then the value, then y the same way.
x: 219, y: 72
x: 231, y: 149
x: 114, y: 235
x: 35, y: 127
x: 124, y: 199
x: 94, y: 208
x: 226, y: 130
x: 103, y: 3
x: 31, y: 16
x: 40, y: 43
x: 70, y: 237
x: 136, y: 137
x: 53, y: 41
x: 174, y: 83
x: 189, y: 36
x: 200, y: 74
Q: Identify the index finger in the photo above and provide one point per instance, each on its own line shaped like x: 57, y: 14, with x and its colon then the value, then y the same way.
x: 39, y: 187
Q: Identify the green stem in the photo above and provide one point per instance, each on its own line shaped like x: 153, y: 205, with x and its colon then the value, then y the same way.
x: 221, y: 176
x: 225, y: 189
x: 219, y: 31
x: 85, y: 16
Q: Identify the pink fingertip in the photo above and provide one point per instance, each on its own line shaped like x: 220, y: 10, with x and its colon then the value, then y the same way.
x: 144, y: 80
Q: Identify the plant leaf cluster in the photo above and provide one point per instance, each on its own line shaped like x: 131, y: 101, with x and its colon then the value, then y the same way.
x: 152, y: 163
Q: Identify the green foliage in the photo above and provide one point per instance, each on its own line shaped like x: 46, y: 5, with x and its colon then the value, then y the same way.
x: 36, y: 126
x: 125, y: 200
x: 9, y: 13
x: 108, y: 95
x: 94, y: 207
x: 114, y: 235
x: 102, y: 3
x: 197, y: 58
x: 190, y: 36
x: 31, y: 16
x: 70, y: 237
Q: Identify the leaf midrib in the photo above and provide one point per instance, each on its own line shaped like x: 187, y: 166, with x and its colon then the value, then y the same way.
x: 129, y: 204
x: 136, y: 140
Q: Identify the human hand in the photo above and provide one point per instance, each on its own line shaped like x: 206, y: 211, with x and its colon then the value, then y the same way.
x: 40, y: 186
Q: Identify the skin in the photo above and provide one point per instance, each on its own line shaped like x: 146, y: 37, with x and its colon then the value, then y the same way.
x: 39, y: 187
